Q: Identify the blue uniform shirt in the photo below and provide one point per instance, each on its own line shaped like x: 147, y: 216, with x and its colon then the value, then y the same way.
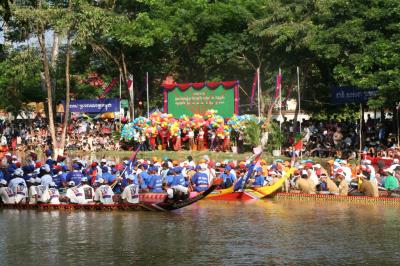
x: 155, y: 183
x: 201, y: 181
x: 259, y: 181
x: 178, y: 180
x: 75, y: 176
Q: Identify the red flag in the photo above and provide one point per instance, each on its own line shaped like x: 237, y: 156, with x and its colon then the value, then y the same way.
x: 278, y: 85
x: 109, y: 87
x: 299, y: 145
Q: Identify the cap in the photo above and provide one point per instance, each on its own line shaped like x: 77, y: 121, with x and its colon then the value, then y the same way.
x: 52, y: 184
x: 75, y: 166
x: 84, y: 179
x: 31, y: 180
x: 103, y: 160
x: 228, y: 168
x: 46, y: 168
x: 259, y: 169
x: 18, y: 172
x: 3, y: 181
x: 71, y: 183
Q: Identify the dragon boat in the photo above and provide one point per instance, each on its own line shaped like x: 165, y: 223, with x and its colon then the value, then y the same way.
x: 382, y: 199
x: 248, y: 193
x: 147, y: 201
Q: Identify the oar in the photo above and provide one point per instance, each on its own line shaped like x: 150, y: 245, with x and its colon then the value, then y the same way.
x: 240, y: 184
x: 131, y: 159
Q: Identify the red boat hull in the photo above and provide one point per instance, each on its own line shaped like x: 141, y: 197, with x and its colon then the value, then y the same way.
x: 234, y: 196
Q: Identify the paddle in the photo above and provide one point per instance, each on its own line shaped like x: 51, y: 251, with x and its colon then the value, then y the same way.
x: 244, y: 179
x: 131, y: 160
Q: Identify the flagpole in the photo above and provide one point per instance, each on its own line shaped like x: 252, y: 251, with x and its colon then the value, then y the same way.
x: 147, y: 94
x: 280, y: 102
x: 298, y: 99
x: 258, y: 94
x: 120, y: 98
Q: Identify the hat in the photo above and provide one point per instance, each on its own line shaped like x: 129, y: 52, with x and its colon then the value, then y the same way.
x: 304, y: 172
x: 31, y: 180
x: 198, y: 166
x: 228, y: 168
x: 18, y: 172
x: 75, y: 166
x: 48, y: 152
x: 38, y: 180
x: 317, y: 166
x: 52, y: 184
x: 130, y: 177
x: 14, y: 157
x: 71, y: 183
x: 308, y: 165
x: 84, y: 179
x: 217, y: 164
x: 3, y: 181
x: 103, y: 160
x: 389, y: 170
x: 343, y: 162
x: 104, y: 169
x: 259, y: 169
x: 45, y: 168
x: 100, y: 180
x: 38, y: 165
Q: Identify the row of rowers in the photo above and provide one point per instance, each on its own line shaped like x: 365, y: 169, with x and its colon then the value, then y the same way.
x: 99, y: 182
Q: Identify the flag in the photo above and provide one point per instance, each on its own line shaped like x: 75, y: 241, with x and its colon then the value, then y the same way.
x: 278, y: 85
x: 298, y: 146
x: 253, y: 89
x: 107, y: 88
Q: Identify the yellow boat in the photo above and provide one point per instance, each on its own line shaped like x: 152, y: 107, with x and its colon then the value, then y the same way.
x: 249, y: 193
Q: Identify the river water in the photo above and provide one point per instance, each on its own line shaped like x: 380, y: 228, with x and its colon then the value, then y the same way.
x: 207, y: 233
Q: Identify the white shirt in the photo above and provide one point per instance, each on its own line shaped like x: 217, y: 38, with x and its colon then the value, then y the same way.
x: 51, y: 195
x: 131, y: 193
x: 82, y: 195
x: 7, y: 195
x: 46, y: 180
x: 104, y: 194
x: 19, y: 188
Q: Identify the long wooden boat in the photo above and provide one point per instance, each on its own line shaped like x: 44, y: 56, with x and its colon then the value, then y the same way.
x: 147, y: 201
x: 337, y: 198
x: 249, y: 193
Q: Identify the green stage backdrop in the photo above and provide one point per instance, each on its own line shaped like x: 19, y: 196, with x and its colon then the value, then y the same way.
x: 192, y: 101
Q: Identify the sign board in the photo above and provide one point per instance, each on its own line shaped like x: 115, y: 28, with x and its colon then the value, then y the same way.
x: 197, y: 98
x: 342, y: 95
x: 94, y: 106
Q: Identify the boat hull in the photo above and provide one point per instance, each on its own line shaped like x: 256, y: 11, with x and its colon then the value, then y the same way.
x: 147, y: 201
x: 337, y: 198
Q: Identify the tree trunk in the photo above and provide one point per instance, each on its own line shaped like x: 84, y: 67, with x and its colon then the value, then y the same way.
x: 131, y: 96
x: 67, y: 93
x: 46, y: 70
x: 55, y: 51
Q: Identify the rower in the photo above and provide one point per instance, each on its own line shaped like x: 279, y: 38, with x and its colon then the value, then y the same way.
x: 330, y: 185
x: 156, y: 183
x: 178, y: 185
x: 259, y: 178
x: 76, y: 175
x: 40, y: 189
x: 305, y: 184
x: 131, y: 192
x: 6, y: 194
x: 368, y: 188
x: 391, y: 183
x: 343, y: 185
x: 200, y: 180
x: 51, y: 194
x: 228, y: 177
x: 33, y: 191
x: 18, y: 186
x: 88, y: 191
x: 45, y: 175
x: 103, y: 193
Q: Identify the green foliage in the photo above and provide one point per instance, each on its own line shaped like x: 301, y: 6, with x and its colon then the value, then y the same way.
x: 335, y: 43
x: 276, y: 137
x: 253, y: 133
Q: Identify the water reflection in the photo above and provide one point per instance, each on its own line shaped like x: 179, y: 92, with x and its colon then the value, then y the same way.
x: 210, y: 232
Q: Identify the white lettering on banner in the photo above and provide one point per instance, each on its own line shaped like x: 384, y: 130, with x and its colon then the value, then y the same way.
x: 99, y: 106
x: 199, y: 98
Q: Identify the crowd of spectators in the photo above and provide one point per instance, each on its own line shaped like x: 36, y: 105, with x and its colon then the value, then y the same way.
x: 319, y: 138
x: 342, y: 139
x: 82, y: 134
